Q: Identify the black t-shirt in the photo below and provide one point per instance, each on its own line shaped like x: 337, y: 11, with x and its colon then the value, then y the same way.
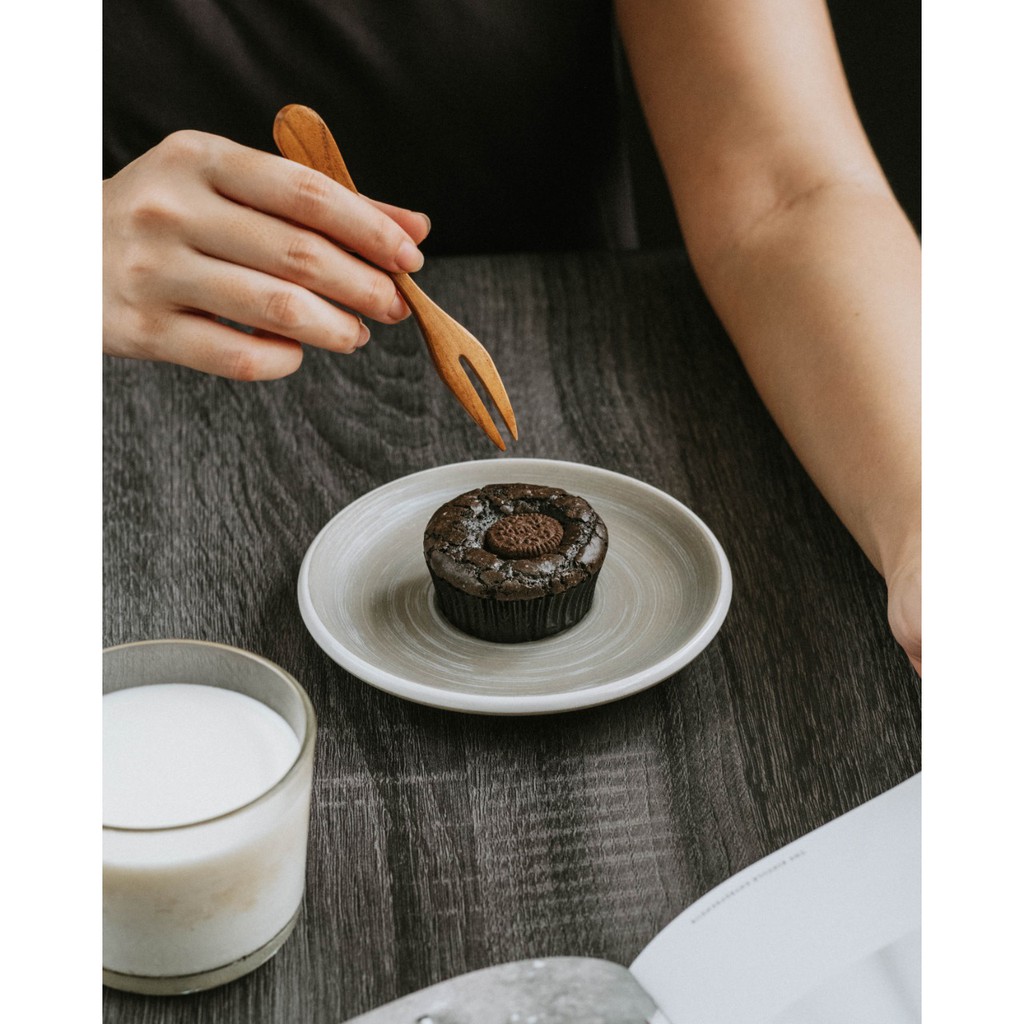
x: 500, y: 119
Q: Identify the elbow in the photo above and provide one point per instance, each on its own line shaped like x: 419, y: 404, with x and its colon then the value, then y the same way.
x: 723, y: 220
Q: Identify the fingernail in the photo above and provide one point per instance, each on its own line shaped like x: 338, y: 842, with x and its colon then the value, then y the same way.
x: 398, y: 310
x: 427, y: 220
x: 364, y: 335
x: 409, y: 258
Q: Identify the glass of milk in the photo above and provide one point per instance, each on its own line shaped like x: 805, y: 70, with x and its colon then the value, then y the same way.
x: 208, y: 762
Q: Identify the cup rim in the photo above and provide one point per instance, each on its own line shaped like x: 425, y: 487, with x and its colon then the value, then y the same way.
x: 308, y: 739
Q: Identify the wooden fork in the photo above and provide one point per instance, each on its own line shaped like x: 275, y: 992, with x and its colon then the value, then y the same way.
x: 301, y: 135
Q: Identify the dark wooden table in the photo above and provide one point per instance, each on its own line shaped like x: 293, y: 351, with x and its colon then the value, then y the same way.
x: 444, y: 842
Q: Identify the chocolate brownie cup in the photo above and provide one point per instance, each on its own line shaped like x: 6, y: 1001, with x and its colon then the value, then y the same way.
x: 515, y: 562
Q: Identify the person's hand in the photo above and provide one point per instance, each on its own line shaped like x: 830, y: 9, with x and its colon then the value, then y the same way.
x: 904, y: 585
x: 201, y: 228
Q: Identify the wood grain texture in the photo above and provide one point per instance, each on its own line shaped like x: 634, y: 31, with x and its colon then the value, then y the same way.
x: 442, y: 842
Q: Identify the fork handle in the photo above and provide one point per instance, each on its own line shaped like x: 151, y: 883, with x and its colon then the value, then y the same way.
x: 302, y: 135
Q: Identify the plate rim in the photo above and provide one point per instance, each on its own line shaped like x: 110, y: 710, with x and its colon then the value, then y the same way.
x: 511, y: 704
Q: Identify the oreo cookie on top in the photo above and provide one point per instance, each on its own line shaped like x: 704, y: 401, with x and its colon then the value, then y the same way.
x: 515, y: 562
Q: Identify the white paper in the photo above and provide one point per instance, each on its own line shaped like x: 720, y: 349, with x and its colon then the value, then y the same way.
x: 803, y: 924
x: 884, y: 986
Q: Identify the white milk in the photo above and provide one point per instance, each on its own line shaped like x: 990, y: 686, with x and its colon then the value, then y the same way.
x: 187, y: 894
x: 174, y: 754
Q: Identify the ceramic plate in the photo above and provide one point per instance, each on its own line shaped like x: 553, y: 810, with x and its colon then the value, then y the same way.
x: 366, y: 597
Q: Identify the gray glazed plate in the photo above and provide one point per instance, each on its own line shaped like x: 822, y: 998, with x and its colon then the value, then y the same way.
x: 366, y: 597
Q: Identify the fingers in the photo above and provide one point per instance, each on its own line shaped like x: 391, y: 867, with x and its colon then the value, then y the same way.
x: 288, y: 190
x: 416, y: 225
x: 905, y: 609
x: 244, y: 237
x: 210, y: 347
x: 273, y: 216
x: 200, y: 228
x: 268, y: 304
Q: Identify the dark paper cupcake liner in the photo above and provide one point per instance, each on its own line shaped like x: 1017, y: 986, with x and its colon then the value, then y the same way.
x: 511, y: 622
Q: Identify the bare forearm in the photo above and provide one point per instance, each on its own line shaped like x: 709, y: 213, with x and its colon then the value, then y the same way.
x: 822, y: 299
x: 801, y: 247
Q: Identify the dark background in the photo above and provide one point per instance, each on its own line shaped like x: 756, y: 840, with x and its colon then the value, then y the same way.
x: 880, y: 44
x: 216, y: 66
